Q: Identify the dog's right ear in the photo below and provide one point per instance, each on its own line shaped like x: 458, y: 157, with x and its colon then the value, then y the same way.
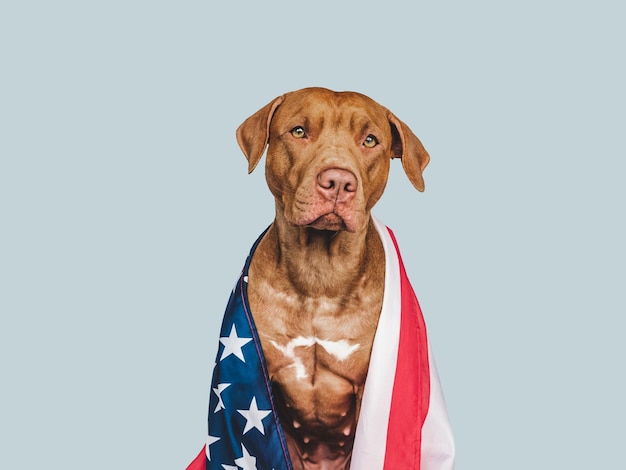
x: 253, y: 135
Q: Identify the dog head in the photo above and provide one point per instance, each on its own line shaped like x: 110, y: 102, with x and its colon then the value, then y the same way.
x: 328, y: 155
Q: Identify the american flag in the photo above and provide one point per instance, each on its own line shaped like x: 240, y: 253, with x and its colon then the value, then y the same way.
x: 403, y: 422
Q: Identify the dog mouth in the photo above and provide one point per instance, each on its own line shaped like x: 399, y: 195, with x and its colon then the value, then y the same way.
x: 311, y: 210
x: 329, y: 222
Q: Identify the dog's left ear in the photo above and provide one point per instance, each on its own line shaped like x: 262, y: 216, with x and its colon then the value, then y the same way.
x: 254, y: 133
x: 406, y: 146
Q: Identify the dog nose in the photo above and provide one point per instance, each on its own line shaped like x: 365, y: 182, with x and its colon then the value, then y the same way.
x: 337, y: 184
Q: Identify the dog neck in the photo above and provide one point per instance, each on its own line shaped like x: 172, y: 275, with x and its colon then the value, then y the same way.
x: 319, y: 262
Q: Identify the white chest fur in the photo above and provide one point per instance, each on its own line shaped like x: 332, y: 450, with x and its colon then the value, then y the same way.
x: 340, y: 350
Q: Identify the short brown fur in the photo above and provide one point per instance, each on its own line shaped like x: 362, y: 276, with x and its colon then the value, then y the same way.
x: 317, y: 276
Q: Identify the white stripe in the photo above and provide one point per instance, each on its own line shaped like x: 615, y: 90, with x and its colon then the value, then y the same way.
x: 371, y: 431
x: 340, y: 350
x: 437, y: 439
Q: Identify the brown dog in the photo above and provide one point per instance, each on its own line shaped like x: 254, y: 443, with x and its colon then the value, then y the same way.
x: 316, y: 279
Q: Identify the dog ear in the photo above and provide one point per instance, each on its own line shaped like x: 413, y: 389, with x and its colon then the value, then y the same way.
x: 406, y: 146
x: 253, y: 135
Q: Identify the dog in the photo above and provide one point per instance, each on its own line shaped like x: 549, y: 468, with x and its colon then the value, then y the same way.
x: 317, y: 277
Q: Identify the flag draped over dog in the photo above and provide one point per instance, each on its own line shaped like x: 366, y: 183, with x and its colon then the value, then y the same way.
x: 403, y: 421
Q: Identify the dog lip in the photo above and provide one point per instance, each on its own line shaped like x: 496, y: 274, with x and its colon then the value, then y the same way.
x: 329, y: 222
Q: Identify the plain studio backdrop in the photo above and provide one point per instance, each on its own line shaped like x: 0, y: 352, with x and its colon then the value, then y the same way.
x: 126, y: 213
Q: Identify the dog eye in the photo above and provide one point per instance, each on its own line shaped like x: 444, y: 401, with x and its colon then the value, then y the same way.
x: 298, y: 132
x: 370, y: 141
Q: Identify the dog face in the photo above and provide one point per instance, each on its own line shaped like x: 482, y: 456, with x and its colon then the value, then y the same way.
x: 328, y: 155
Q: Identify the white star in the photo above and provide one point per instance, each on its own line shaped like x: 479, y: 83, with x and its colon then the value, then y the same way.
x: 218, y: 391
x: 233, y: 344
x: 229, y: 467
x: 254, y: 417
x: 210, y: 440
x: 247, y: 462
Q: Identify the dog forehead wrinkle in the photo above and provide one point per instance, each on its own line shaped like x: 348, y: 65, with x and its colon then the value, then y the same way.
x: 344, y: 111
x: 312, y: 105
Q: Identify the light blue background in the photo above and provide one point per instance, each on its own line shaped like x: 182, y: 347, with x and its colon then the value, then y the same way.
x: 126, y: 213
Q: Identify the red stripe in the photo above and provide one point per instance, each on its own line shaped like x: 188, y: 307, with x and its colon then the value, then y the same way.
x: 199, y: 463
x: 411, y: 388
